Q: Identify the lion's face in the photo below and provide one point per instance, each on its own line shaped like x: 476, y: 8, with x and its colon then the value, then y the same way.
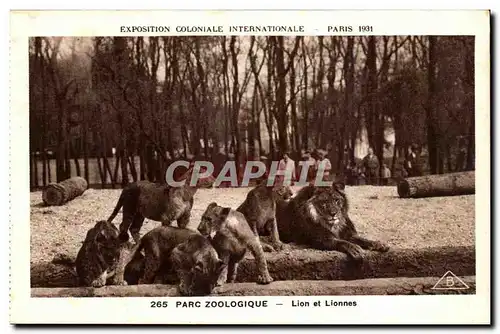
x: 104, y: 233
x: 328, y: 204
x: 203, y: 276
x: 283, y: 192
x: 210, y: 220
x: 105, y: 236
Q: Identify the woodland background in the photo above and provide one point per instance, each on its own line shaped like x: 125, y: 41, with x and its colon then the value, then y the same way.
x: 107, y: 107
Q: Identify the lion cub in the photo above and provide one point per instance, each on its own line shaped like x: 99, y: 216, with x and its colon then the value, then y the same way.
x: 189, y: 254
x: 98, y: 258
x: 259, y: 209
x: 232, y: 236
x: 159, y: 202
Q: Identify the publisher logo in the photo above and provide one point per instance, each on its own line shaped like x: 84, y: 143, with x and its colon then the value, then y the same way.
x: 450, y: 281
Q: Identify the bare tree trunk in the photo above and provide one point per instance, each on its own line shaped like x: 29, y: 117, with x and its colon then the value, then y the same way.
x: 142, y: 162
x: 67, y: 153
x: 394, y: 156
x: 251, y: 125
x: 271, y: 103
x: 117, y: 165
x: 75, y: 159
x: 203, y: 110
x: 102, y: 152
x: 448, y: 158
x: 123, y: 159
x: 225, y: 90
x: 49, y: 171
x: 318, y: 88
x: 102, y: 172
x: 282, y: 69
x: 133, y: 171
x: 261, y: 103
x: 34, y: 170
x: 432, y: 131
x: 45, y: 170
x: 380, y: 116
x: 295, y: 140
x: 39, y: 60
x: 61, y: 149
x: 33, y: 175
x: 470, y: 101
x: 150, y: 163
x: 371, y: 62
x: 349, y: 94
x: 108, y: 169
x: 305, y: 102
x: 85, y: 148
x: 171, y: 88
x: 235, y: 104
x: 259, y: 135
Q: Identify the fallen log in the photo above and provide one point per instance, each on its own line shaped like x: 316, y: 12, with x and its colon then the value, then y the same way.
x: 51, y: 275
x: 309, y: 264
x: 452, y: 184
x: 64, y: 191
x: 377, y: 286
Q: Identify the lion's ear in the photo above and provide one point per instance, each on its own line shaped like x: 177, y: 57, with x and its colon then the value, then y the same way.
x: 339, y: 186
x: 212, y: 205
x: 106, y: 232
x: 183, y: 247
x: 103, y: 235
x: 223, y: 213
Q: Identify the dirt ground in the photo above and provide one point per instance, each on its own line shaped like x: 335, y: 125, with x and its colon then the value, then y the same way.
x: 377, y: 212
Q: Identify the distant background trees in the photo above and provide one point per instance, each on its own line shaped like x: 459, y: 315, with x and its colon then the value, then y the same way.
x: 108, y: 107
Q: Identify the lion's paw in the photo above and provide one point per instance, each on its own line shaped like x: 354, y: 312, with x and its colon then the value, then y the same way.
x: 264, y: 279
x: 268, y: 248
x: 357, y: 254
x: 380, y: 247
x: 280, y: 246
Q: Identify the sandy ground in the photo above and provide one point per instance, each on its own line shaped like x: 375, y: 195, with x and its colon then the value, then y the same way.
x: 376, y: 211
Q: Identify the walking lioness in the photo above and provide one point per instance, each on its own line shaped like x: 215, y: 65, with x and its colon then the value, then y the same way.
x: 159, y: 202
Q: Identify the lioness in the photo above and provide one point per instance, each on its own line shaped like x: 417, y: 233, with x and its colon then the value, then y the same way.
x: 231, y: 236
x: 159, y: 202
x: 99, y: 256
x: 318, y: 217
x: 259, y: 209
x: 190, y: 255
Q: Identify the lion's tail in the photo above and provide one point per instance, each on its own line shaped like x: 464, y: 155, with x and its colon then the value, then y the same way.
x: 133, y: 253
x: 118, y: 206
x: 63, y: 259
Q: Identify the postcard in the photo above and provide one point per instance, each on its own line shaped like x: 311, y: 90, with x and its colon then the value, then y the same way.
x: 250, y: 167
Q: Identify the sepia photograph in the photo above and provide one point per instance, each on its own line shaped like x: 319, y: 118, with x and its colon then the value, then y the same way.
x: 389, y: 118
x: 250, y: 165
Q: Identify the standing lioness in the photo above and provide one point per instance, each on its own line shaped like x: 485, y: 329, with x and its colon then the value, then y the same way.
x: 231, y: 236
x: 159, y: 202
x: 259, y: 209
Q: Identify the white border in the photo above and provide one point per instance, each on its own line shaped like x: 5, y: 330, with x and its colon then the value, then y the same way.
x: 396, y: 309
